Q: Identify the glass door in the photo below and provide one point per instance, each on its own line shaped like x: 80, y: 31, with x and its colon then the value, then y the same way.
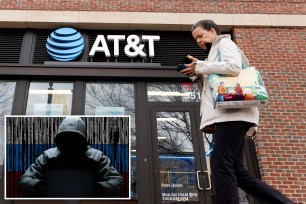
x: 180, y: 175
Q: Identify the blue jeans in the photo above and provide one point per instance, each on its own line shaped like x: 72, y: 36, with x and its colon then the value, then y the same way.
x: 228, y: 171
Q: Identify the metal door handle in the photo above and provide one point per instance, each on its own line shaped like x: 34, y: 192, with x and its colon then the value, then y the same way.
x: 209, y: 181
x: 198, y: 180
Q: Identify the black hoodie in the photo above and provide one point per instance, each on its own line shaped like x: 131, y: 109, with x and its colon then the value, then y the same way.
x: 70, y: 154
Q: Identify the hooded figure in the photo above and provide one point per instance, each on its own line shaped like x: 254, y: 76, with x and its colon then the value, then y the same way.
x: 71, y: 155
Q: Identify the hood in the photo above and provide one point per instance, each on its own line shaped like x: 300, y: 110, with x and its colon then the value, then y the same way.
x: 71, y: 136
x: 72, y: 125
x: 219, y: 37
x: 215, y: 41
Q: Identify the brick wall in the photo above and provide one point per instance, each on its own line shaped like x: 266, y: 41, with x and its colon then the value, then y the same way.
x: 180, y: 6
x: 280, y: 54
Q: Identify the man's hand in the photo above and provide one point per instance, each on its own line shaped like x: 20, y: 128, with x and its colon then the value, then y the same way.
x: 190, y: 70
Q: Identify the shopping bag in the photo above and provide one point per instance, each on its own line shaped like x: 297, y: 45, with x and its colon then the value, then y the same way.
x: 245, y: 90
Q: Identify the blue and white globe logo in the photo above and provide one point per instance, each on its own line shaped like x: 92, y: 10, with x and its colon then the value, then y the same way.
x: 65, y: 44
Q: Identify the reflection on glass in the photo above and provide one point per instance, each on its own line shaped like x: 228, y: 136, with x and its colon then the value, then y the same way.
x: 49, y: 98
x: 176, y: 158
x: 7, y: 90
x: 172, y: 92
x: 114, y: 99
x: 133, y: 175
x: 208, y: 146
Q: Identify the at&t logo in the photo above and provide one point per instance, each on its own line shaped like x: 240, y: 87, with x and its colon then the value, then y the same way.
x: 65, y: 44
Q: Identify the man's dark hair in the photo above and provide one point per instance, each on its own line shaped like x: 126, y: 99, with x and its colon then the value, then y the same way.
x: 207, y: 25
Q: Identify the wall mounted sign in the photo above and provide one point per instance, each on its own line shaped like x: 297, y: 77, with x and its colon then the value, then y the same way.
x: 65, y: 44
x: 133, y: 47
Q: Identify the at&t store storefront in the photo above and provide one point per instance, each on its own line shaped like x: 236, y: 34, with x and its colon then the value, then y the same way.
x: 118, y: 69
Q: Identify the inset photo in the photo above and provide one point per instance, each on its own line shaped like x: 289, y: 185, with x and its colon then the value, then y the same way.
x: 79, y: 157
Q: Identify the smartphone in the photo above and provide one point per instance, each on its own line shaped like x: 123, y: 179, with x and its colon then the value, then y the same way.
x: 186, y: 60
x: 180, y: 67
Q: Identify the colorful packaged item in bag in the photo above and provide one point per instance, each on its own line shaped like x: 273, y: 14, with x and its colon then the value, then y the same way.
x: 245, y: 90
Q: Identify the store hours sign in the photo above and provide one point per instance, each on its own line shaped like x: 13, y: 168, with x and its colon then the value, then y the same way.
x: 133, y: 48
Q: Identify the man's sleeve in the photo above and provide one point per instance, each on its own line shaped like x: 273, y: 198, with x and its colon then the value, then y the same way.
x: 110, y: 181
x: 31, y: 181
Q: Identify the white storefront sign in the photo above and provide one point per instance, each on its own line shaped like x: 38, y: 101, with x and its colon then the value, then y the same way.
x: 132, y: 49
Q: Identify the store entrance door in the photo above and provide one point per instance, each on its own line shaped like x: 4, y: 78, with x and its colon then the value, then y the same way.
x: 179, y: 162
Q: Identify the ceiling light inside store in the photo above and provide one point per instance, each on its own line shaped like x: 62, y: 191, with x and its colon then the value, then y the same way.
x: 36, y: 91
x: 166, y: 93
x: 166, y: 119
x: 161, y: 138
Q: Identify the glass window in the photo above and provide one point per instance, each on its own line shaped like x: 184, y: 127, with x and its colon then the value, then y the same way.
x: 111, y: 98
x: 49, y: 98
x: 176, y: 158
x: 7, y: 90
x: 172, y: 92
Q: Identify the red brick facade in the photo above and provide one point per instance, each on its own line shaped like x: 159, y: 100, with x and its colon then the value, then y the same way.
x: 177, y: 6
x: 280, y: 54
